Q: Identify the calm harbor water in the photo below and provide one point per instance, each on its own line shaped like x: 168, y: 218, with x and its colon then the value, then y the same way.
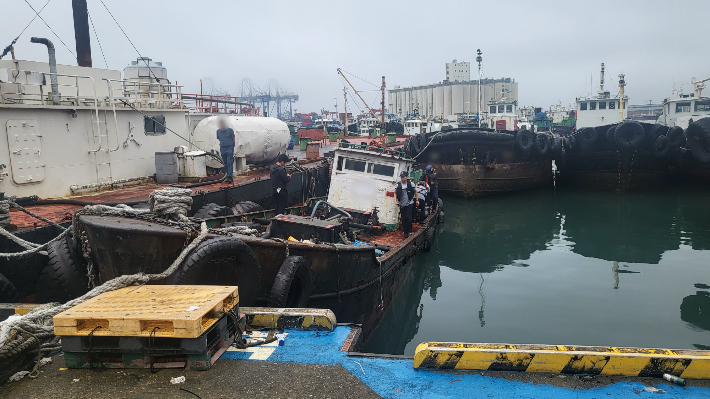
x: 561, y: 267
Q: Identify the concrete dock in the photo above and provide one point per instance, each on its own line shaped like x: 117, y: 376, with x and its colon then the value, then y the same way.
x: 313, y: 364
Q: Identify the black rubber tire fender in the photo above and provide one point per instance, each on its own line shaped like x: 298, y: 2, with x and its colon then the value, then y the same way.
x: 212, y: 210
x: 292, y: 285
x: 610, y: 135
x: 441, y: 204
x: 542, y: 143
x: 629, y: 134
x: 405, y: 146
x: 441, y: 217
x: 414, y: 146
x: 8, y: 293
x: 422, y: 141
x: 246, y: 207
x: 661, y: 146
x: 244, y: 271
x: 659, y: 130
x: 525, y: 140
x: 572, y: 141
x: 61, y: 279
x: 587, y: 137
x: 676, y: 136
x: 429, y: 238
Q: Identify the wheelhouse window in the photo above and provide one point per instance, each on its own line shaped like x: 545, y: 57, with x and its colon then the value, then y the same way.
x: 493, y: 109
x: 682, y: 107
x: 382, y: 170
x: 592, y: 105
x: 702, y: 106
x: 582, y: 106
x: 508, y: 108
x: 602, y: 104
x: 501, y: 109
x: 612, y: 104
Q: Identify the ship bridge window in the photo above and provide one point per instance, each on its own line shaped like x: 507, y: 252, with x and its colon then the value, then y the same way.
x: 602, y: 104
x: 682, y: 107
x: 612, y: 104
x: 582, y: 106
x: 351, y: 164
x: 592, y: 105
x: 702, y: 106
x: 382, y: 170
x: 493, y: 109
x: 154, y: 125
x: 508, y: 108
x: 501, y: 109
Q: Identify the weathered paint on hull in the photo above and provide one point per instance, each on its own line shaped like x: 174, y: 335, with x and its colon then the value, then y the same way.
x: 614, y: 171
x: 474, y: 181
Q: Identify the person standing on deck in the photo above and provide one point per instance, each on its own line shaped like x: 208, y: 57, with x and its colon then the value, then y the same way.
x: 406, y: 198
x: 226, y: 138
x: 431, y: 180
x: 279, y: 182
x: 422, y: 195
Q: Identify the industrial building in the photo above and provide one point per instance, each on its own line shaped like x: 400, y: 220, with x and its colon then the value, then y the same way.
x: 452, y: 96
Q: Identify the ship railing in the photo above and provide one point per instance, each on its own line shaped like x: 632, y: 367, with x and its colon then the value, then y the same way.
x: 78, y: 90
x: 142, y: 94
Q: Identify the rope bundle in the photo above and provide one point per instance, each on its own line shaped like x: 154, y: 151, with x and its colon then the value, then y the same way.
x: 171, y: 202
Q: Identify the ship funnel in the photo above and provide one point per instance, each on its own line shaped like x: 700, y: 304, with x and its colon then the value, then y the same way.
x: 52, y: 67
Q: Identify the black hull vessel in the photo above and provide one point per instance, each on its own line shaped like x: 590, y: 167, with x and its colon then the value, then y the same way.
x: 626, y: 157
x: 475, y: 163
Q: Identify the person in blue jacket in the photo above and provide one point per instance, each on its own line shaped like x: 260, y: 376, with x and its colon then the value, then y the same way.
x: 226, y: 138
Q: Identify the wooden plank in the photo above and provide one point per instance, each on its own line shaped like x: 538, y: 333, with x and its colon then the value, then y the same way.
x: 176, y: 311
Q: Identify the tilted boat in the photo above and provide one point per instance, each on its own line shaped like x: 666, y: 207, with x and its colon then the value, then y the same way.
x: 344, y: 254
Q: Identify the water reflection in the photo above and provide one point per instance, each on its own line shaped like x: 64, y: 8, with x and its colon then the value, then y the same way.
x: 541, y: 260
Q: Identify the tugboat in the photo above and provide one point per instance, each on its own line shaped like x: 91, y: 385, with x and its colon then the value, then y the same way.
x: 345, y: 254
x: 610, y: 153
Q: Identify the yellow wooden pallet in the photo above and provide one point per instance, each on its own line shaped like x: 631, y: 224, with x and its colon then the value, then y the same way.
x: 175, y: 311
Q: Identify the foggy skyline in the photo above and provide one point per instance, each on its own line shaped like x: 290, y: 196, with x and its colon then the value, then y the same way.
x: 551, y: 48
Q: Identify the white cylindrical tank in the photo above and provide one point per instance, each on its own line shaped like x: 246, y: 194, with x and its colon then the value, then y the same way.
x: 259, y: 139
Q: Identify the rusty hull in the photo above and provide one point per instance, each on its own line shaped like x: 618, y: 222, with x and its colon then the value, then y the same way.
x: 474, y: 181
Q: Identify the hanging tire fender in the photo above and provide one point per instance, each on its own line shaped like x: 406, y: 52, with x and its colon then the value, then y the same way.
x: 8, y: 293
x: 587, y: 137
x: 525, y: 140
x: 292, y: 285
x: 661, y: 146
x: 61, y: 279
x: 429, y: 238
x: 629, y: 134
x: 676, y: 136
x: 204, y: 264
x: 542, y: 143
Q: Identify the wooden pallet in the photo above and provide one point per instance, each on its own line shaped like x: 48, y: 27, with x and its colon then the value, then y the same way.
x: 149, y: 310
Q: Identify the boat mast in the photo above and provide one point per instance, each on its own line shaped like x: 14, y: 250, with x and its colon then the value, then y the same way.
x: 358, y: 94
x: 601, y: 80
x: 383, y: 102
x: 480, y: 94
x: 622, y: 83
x: 345, y: 102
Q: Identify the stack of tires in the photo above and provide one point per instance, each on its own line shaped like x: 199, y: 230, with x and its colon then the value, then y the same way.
x: 629, y: 135
x: 542, y: 143
x: 65, y: 276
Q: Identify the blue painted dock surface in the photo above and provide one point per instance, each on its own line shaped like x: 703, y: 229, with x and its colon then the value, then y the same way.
x: 396, y: 378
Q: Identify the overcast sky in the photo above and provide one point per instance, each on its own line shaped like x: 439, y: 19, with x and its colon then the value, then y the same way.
x: 549, y: 47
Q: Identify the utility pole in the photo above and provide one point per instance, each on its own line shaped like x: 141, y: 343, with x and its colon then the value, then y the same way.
x: 81, y: 33
x: 383, y: 102
x: 345, y: 104
x: 622, y: 84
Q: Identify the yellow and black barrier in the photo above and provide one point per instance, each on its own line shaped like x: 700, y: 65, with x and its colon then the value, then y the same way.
x: 593, y: 360
x: 295, y: 318
x: 9, y: 309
